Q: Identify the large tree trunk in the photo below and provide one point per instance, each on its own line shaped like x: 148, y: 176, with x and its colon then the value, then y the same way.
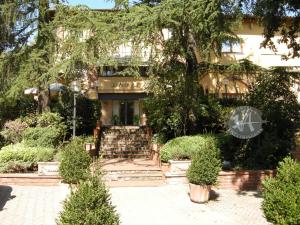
x: 43, y: 101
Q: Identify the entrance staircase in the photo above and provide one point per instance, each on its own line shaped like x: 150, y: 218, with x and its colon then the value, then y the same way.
x: 125, y: 142
x: 127, y: 157
x: 132, y: 173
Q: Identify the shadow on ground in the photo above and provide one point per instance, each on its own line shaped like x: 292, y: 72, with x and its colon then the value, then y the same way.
x: 255, y: 193
x: 213, y: 195
x: 5, y: 195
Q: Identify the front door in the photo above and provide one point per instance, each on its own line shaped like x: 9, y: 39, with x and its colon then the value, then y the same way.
x: 126, y: 112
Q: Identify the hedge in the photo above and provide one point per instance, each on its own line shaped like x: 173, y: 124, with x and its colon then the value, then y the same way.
x: 20, y: 157
x: 183, y: 148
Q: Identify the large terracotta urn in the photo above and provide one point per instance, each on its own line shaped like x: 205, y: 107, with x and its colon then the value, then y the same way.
x: 199, y: 193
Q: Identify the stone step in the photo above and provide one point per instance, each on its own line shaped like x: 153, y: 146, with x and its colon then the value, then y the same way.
x: 150, y: 177
x: 126, y: 156
x: 125, y: 176
x: 29, y: 179
x: 152, y: 183
x: 112, y: 151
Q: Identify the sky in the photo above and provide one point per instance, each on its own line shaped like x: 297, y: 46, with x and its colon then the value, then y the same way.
x: 94, y: 4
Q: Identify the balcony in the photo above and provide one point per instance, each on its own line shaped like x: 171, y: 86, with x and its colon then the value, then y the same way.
x: 121, y: 84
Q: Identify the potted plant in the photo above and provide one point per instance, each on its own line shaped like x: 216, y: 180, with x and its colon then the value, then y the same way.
x: 203, y: 173
x: 136, y: 120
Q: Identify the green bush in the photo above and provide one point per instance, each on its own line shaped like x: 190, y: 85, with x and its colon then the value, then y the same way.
x: 182, y: 148
x: 205, y: 167
x: 75, y: 161
x: 42, y: 136
x: 90, y: 204
x: 19, y: 157
x: 87, y: 111
x: 12, y: 131
x: 281, y: 204
x: 273, y: 96
x: 49, y: 130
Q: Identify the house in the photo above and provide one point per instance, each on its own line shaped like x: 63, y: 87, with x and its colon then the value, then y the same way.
x: 121, y: 96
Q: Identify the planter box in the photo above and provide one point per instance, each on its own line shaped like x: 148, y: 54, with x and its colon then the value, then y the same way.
x: 48, y: 168
x: 179, y: 166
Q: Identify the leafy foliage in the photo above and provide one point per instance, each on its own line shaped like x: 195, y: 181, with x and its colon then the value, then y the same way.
x: 13, y: 130
x: 75, y: 161
x: 27, y: 48
x: 166, y: 108
x: 205, y: 167
x: 90, y: 204
x: 183, y: 148
x: 49, y: 130
x: 87, y: 111
x: 20, y: 157
x: 11, y: 109
x: 42, y: 136
x: 273, y: 96
x: 282, y: 194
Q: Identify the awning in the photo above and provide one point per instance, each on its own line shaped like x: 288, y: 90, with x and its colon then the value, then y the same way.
x: 31, y: 91
x: 56, y: 87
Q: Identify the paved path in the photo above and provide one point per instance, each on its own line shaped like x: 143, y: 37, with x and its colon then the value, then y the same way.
x: 165, y: 205
x: 170, y: 205
x: 30, y: 205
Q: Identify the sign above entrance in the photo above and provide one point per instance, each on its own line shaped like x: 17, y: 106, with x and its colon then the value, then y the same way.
x: 121, y: 85
x: 132, y: 85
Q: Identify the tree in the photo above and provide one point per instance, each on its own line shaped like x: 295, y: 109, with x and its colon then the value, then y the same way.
x: 175, y: 34
x: 27, y: 48
x: 273, y: 96
x: 278, y: 16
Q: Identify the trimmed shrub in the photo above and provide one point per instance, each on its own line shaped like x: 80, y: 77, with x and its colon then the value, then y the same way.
x: 183, y: 148
x: 90, y: 204
x: 48, y: 119
x: 20, y: 158
x: 75, y: 161
x: 281, y: 204
x: 42, y: 136
x: 205, y: 167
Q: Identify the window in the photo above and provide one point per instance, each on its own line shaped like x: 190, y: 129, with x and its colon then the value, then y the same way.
x: 230, y: 47
x: 108, y: 71
x: 125, y: 51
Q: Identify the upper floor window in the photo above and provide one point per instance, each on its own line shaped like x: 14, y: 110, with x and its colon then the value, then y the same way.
x: 230, y: 47
x: 122, y: 71
x: 109, y: 71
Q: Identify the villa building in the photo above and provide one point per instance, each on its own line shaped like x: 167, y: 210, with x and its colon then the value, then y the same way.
x: 123, y: 121
x: 120, y: 95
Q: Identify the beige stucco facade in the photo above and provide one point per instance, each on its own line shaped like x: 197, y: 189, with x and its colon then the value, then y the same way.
x: 111, y: 88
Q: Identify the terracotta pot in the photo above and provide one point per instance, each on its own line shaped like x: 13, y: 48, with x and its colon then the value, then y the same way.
x: 199, y: 193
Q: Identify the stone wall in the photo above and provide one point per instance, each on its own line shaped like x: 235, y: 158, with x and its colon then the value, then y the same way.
x: 243, y: 180
x: 234, y: 180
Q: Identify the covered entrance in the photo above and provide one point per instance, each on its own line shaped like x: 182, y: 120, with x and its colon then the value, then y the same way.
x: 122, y: 109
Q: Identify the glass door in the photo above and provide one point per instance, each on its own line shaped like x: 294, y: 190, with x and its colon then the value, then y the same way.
x: 126, y: 112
